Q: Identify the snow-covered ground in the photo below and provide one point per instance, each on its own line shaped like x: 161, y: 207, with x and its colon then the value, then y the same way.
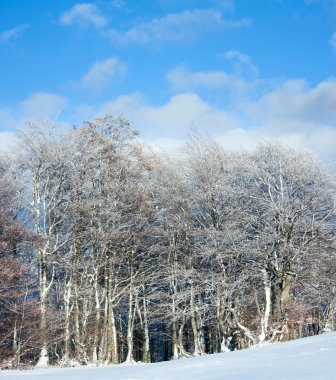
x: 308, y: 358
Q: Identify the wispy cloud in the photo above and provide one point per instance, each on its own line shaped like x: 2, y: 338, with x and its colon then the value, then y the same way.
x: 12, y: 34
x: 181, y: 79
x: 175, y: 27
x: 41, y: 105
x: 332, y: 41
x: 83, y: 15
x: 118, y: 3
x: 329, y: 4
x: 101, y: 74
x: 241, y: 59
x: 225, y: 4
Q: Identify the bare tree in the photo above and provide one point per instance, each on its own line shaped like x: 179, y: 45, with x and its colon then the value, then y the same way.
x: 288, y: 210
x: 43, y: 163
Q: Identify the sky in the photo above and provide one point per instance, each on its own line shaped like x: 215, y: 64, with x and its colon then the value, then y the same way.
x: 242, y: 71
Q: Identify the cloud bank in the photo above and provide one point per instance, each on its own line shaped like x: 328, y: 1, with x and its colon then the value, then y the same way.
x: 293, y: 112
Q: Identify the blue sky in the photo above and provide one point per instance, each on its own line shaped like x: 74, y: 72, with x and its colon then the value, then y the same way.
x: 243, y: 70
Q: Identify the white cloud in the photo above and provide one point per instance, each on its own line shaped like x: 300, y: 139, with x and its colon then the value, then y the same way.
x: 333, y: 41
x: 297, y: 114
x: 300, y: 115
x: 7, y: 140
x: 295, y: 105
x: 175, y: 118
x: 235, y: 54
x: 321, y: 141
x: 6, y: 117
x: 181, y: 79
x: 38, y: 106
x: 175, y: 27
x: 12, y: 34
x: 84, y: 14
x: 42, y: 105
x: 241, y: 59
x: 101, y: 74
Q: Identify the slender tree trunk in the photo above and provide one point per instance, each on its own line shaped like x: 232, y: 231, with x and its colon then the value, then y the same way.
x: 44, y: 357
x: 330, y: 320
x: 16, y: 343
x: 95, y: 352
x: 146, y: 357
x: 197, y: 333
x: 67, y: 337
x: 174, y: 340
x: 175, y: 345
x: 267, y: 308
x: 129, y: 335
x: 44, y: 291
x: 130, y: 319
x: 76, y: 309
x: 111, y: 339
x: 223, y: 339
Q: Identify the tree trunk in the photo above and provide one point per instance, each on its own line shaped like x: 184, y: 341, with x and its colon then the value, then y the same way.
x: 286, y: 284
x: 44, y: 357
x: 197, y: 331
x: 330, y: 320
x: 67, y: 297
x: 182, y: 353
x: 129, y: 336
x: 130, y: 319
x: 267, y: 308
x: 146, y: 357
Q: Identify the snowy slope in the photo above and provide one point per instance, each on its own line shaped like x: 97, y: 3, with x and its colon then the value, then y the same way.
x: 308, y: 358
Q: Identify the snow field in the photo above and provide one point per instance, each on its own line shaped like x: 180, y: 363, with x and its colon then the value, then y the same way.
x: 312, y: 358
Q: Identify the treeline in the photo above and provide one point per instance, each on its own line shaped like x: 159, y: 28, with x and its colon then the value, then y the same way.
x: 110, y: 253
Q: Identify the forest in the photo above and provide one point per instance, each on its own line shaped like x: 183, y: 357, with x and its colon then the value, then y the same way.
x: 112, y: 253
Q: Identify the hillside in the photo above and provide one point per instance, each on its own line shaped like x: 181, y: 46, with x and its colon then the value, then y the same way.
x: 308, y: 358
